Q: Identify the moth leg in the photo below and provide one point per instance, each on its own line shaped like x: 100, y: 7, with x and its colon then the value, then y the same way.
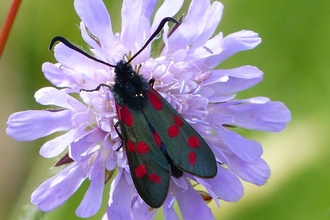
x: 97, y: 88
x: 151, y: 82
x: 119, y: 134
x: 138, y: 67
x: 121, y: 145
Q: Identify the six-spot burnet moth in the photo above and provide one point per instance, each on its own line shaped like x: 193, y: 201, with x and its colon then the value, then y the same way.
x: 159, y: 143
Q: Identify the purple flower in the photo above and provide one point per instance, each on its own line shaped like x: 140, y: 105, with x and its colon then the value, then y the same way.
x: 184, y: 75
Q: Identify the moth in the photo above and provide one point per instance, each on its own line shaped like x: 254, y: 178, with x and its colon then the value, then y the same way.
x: 158, y: 141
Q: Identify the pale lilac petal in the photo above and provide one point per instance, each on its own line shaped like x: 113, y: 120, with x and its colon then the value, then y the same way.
x: 195, y: 20
x: 95, y: 16
x: 57, y: 145
x: 79, y: 147
x: 31, y: 125
x: 141, y: 210
x: 130, y: 15
x: 234, y: 43
x: 168, y: 210
x: 111, y: 164
x: 148, y: 8
x: 52, y: 96
x: 214, y: 14
x: 74, y: 60
x: 56, y: 190
x: 92, y: 200
x: 140, y: 38
x: 256, y: 172
x: 180, y: 182
x: 88, y: 38
x: 210, y: 93
x: 226, y: 82
x: 247, y: 150
x: 226, y: 185
x: 120, y: 198
x: 84, y: 71
x: 191, y: 204
x: 271, y: 116
x: 168, y: 9
x: 212, y: 46
x: 54, y: 75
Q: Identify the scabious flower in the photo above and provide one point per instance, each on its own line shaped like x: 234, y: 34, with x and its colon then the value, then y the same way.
x: 185, y: 75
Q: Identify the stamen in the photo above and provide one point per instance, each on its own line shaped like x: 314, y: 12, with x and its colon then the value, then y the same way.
x: 170, y: 205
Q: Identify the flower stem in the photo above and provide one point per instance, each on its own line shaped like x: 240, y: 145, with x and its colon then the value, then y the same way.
x: 8, y: 24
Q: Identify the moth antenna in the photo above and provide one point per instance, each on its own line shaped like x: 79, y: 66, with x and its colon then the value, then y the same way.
x: 160, y: 27
x: 179, y: 22
x: 75, y: 48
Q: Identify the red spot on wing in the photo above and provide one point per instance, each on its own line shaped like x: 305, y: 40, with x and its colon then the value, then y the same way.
x: 192, y: 158
x: 142, y: 147
x: 173, y: 131
x: 155, y: 101
x: 130, y: 146
x: 193, y: 142
x: 140, y: 171
x: 178, y: 120
x: 155, y: 178
x: 118, y: 112
x: 157, y: 139
x: 127, y: 116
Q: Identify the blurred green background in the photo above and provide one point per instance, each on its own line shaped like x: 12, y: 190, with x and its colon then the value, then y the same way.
x: 295, y: 58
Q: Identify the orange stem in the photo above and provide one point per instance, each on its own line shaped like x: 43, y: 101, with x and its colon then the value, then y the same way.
x: 8, y: 24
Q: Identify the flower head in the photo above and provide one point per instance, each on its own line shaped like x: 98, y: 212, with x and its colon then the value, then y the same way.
x: 185, y: 75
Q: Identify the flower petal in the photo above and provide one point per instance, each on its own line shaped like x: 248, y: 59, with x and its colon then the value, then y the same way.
x: 56, y: 190
x: 84, y: 144
x: 57, y: 145
x: 92, y: 200
x: 168, y: 9
x: 130, y: 16
x: 256, y: 172
x: 212, y: 46
x: 31, y: 125
x: 56, y: 76
x: 271, y: 116
x: 247, y: 150
x: 195, y: 20
x: 52, y: 96
x: 231, y: 81
x: 148, y: 8
x: 96, y: 18
x: 120, y: 198
x: 191, y: 204
x: 234, y: 43
x: 168, y: 210
x: 141, y: 210
x: 226, y: 185
x: 213, y: 16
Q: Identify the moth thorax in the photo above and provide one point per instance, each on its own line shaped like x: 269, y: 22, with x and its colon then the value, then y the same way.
x: 124, y: 71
